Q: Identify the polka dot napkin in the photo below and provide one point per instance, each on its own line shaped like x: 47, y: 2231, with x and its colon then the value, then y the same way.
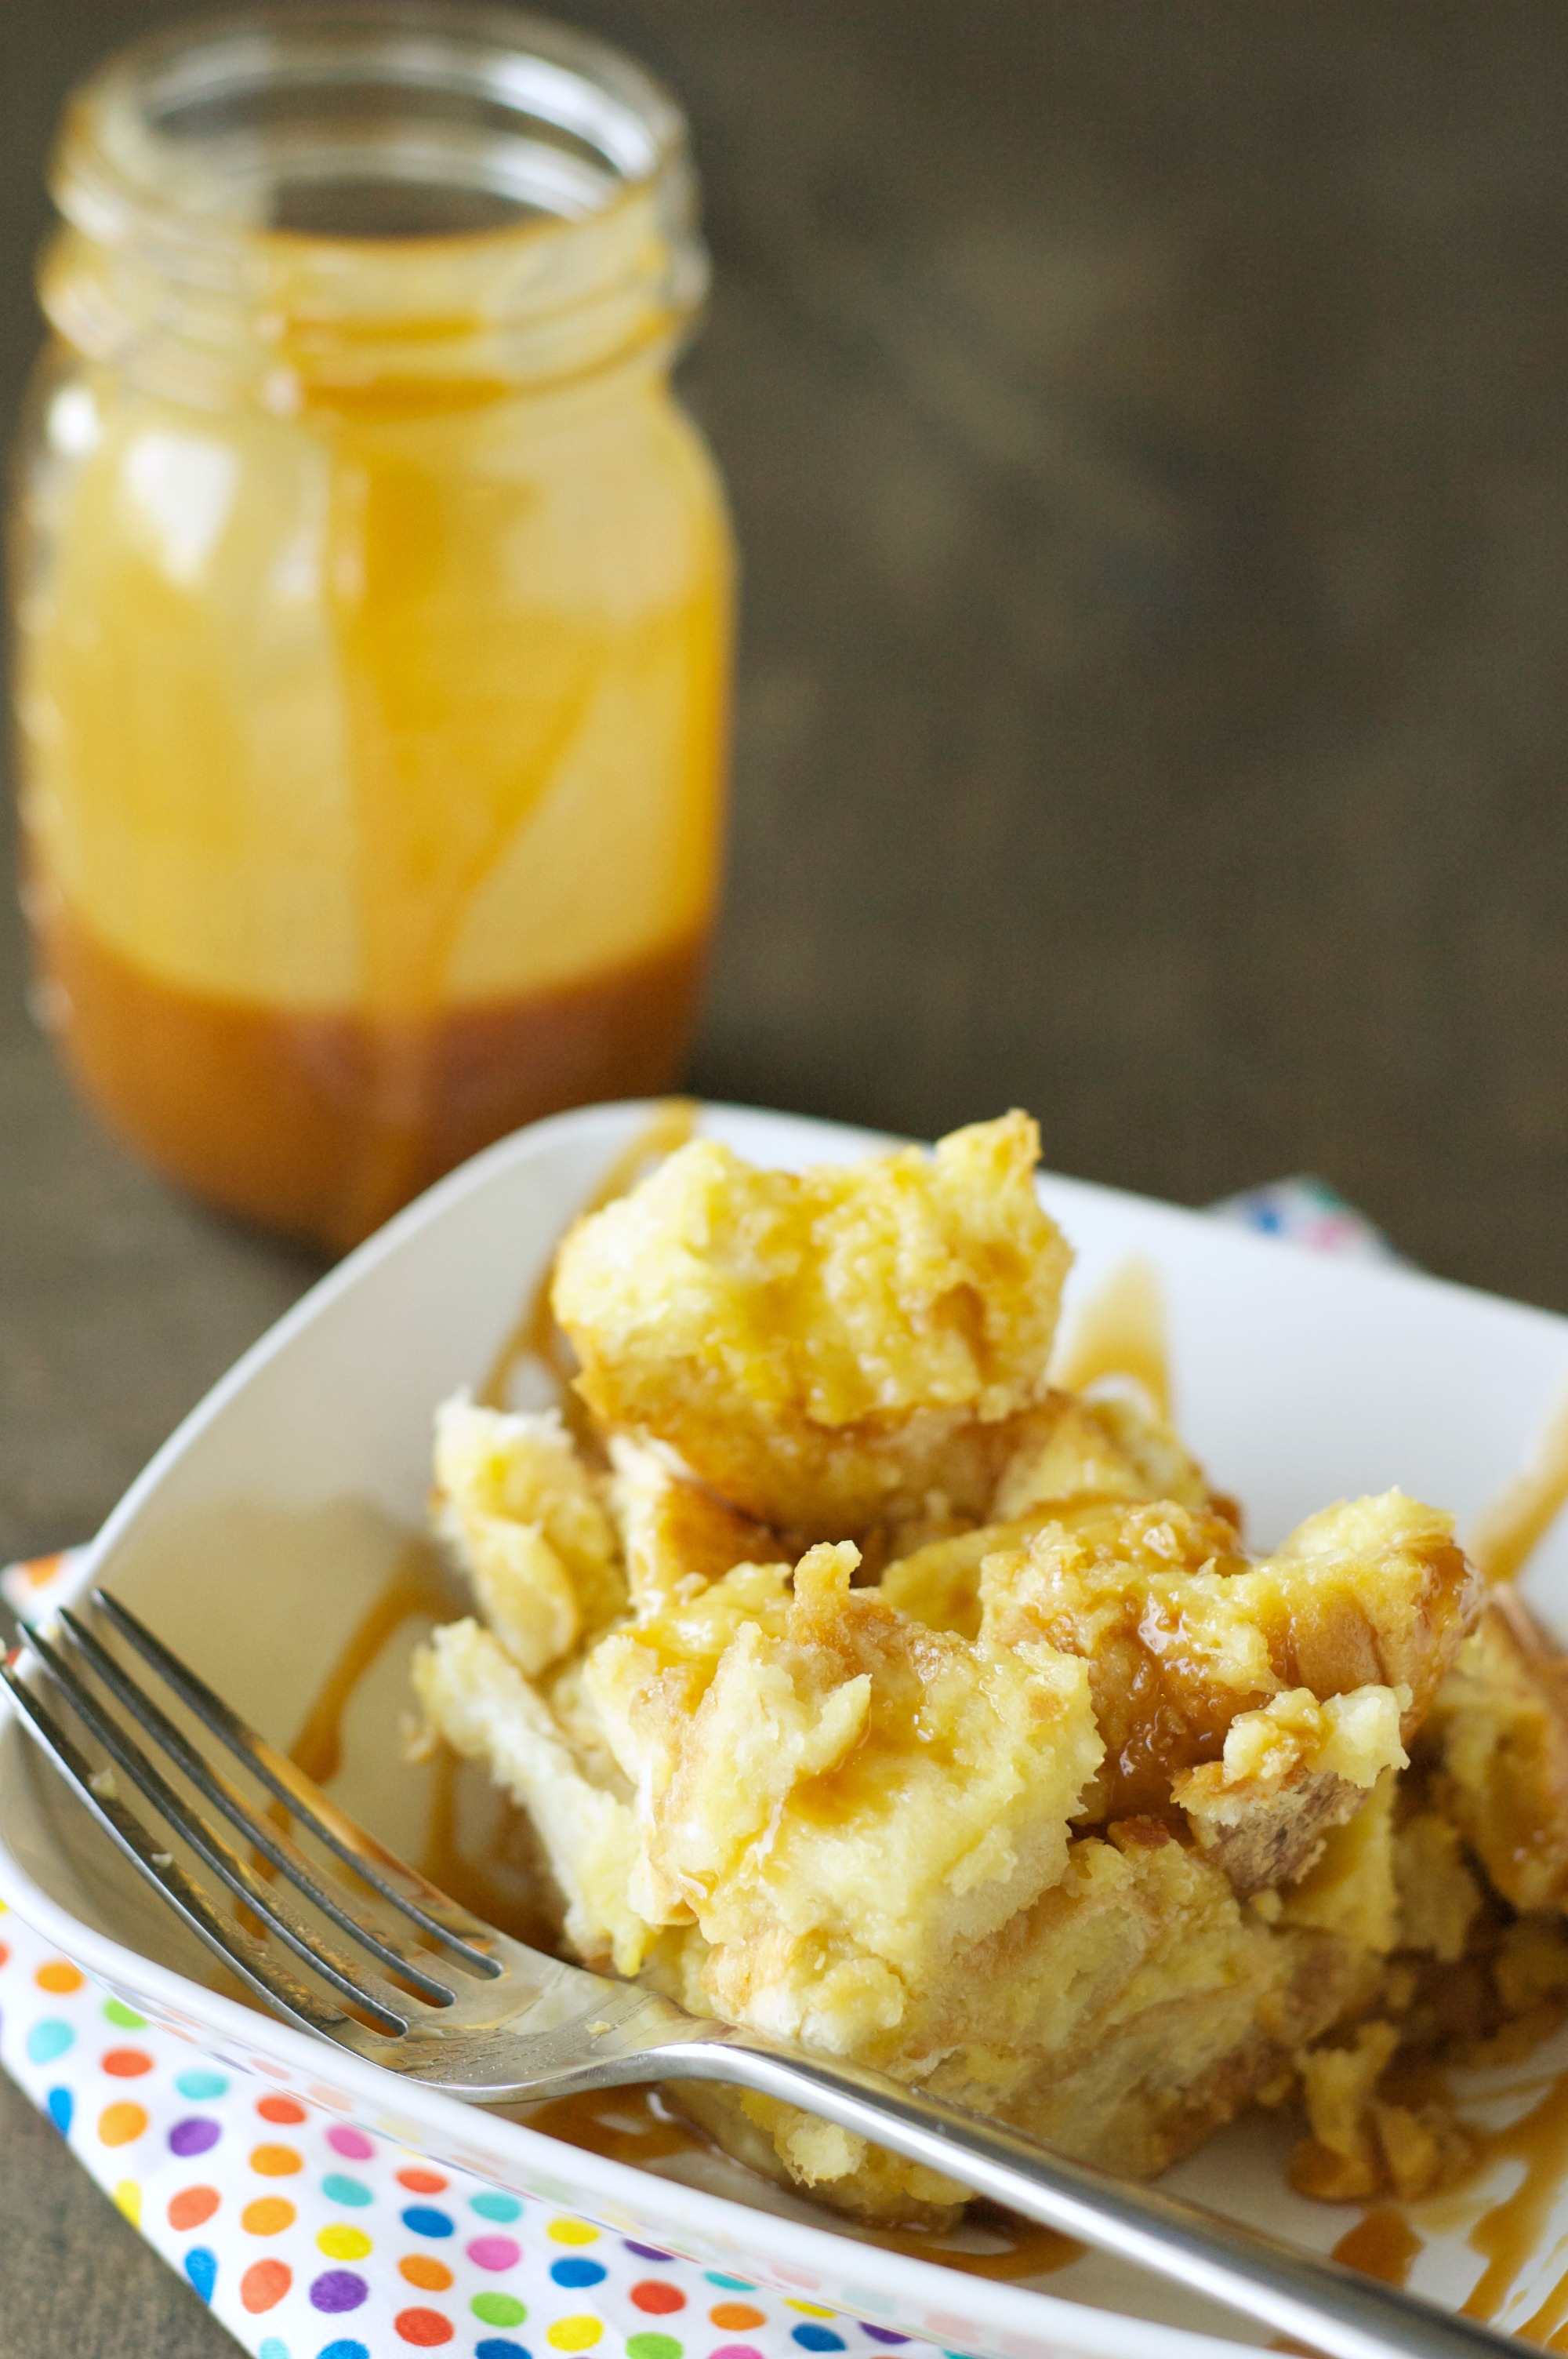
x: 313, y: 2240
x: 1307, y: 1213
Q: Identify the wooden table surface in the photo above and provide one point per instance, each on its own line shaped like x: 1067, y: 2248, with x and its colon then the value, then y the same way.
x: 1145, y: 421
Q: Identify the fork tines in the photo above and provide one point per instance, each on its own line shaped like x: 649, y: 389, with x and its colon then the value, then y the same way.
x: 394, y: 1915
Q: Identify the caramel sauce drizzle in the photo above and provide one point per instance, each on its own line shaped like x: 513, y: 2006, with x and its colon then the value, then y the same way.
x: 1508, y: 1532
x: 1120, y: 1331
x: 1386, y: 2244
x: 415, y: 1586
x: 536, y: 1336
x: 1510, y: 2232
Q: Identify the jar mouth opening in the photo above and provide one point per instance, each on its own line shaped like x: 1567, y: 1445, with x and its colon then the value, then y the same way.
x: 369, y: 126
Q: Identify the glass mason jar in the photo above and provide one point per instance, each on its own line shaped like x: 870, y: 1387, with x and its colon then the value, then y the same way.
x: 372, y: 596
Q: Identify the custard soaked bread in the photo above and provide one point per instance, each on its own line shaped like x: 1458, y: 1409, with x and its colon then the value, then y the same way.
x: 819, y: 1346
x: 864, y: 1689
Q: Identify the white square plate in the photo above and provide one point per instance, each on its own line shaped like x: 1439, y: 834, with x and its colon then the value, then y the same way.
x: 260, y: 1533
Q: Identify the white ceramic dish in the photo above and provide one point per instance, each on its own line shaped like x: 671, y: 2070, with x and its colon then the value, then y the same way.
x: 258, y: 1535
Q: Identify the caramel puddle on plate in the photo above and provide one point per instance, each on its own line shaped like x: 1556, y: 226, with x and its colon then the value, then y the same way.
x: 987, y: 2243
x: 1120, y: 1331
x: 624, y: 2124
x: 1382, y: 2245
x: 635, y: 2126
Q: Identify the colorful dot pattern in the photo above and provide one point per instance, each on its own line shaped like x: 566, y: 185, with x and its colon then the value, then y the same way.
x: 312, y: 2239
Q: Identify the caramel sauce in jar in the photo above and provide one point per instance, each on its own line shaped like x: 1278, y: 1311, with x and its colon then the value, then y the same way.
x: 324, y: 1124
x: 373, y: 601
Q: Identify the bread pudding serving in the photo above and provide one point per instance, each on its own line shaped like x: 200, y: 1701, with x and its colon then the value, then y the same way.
x: 864, y: 1689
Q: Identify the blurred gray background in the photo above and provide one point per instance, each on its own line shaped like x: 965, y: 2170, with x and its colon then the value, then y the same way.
x: 1146, y: 427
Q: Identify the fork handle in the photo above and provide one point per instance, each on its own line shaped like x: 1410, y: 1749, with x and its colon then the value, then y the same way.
x: 1334, y: 2310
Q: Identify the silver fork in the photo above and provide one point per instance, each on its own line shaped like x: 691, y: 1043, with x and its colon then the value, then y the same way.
x: 381, y: 1962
